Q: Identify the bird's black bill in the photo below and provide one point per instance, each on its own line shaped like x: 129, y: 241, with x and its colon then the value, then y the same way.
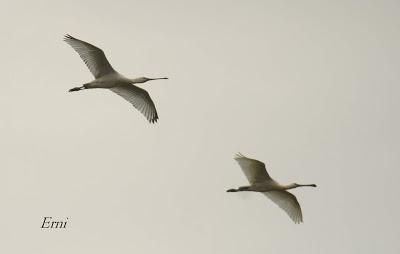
x: 232, y: 190
x: 307, y: 185
x: 156, y: 78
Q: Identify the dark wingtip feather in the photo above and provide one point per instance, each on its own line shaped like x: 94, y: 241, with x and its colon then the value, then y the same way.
x: 154, y: 120
x: 68, y: 37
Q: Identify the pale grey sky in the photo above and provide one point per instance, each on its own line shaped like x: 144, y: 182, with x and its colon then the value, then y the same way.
x: 309, y: 87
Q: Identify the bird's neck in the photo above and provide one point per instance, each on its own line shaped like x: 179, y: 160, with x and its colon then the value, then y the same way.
x: 138, y: 80
x: 290, y: 186
x: 143, y: 80
x: 295, y: 185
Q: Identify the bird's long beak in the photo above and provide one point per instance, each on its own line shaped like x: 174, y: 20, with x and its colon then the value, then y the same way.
x: 307, y: 185
x: 156, y: 78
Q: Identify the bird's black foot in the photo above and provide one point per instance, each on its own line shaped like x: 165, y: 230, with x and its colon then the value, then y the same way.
x: 76, y: 89
x: 232, y: 190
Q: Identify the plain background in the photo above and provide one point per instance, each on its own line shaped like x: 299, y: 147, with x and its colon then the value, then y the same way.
x: 309, y: 87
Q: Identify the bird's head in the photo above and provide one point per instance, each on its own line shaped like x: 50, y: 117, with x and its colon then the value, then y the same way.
x: 144, y: 79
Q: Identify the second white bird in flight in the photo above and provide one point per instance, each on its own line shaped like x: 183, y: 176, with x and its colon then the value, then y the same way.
x: 260, y: 181
x: 107, y: 77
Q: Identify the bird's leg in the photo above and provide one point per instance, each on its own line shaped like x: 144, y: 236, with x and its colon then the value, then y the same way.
x: 77, y: 88
x: 243, y: 188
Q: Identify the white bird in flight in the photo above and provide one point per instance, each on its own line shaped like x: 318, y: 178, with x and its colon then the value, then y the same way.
x: 260, y: 181
x: 107, y: 77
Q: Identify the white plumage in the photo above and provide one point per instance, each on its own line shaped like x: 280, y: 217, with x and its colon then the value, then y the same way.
x: 106, y: 77
x: 260, y: 181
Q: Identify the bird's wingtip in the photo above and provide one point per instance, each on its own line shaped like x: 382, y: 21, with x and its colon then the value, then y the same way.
x: 153, y: 120
x: 68, y: 37
x: 238, y: 156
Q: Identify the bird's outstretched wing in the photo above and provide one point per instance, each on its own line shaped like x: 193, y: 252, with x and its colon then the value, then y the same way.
x: 93, y: 57
x: 139, y: 98
x: 253, y: 169
x: 288, y: 202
